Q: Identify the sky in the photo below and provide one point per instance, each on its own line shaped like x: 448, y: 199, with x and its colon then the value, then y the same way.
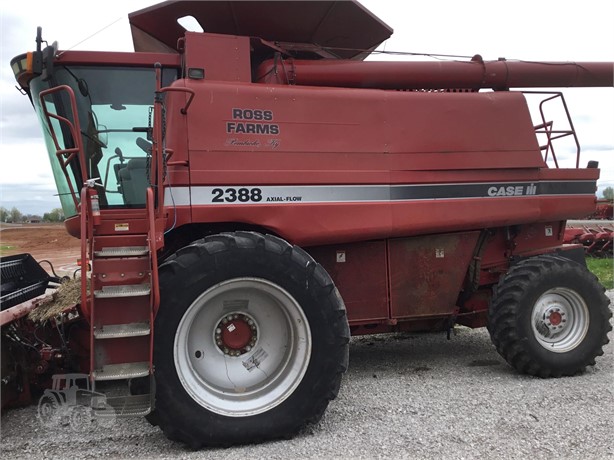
x: 548, y: 30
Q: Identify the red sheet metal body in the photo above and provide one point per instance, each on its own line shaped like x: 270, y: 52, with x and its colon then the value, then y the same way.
x: 320, y: 156
x: 348, y: 140
x: 361, y: 273
x: 427, y: 273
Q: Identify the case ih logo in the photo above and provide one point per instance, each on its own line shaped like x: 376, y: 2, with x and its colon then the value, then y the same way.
x: 252, y: 121
x: 512, y: 190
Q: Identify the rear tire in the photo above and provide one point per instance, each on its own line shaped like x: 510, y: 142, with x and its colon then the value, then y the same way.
x: 251, y: 341
x: 549, y: 317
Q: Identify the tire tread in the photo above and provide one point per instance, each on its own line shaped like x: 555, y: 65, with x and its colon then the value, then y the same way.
x: 325, y: 389
x: 507, y: 303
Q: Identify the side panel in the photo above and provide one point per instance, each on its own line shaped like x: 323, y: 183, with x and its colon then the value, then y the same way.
x: 359, y: 130
x: 223, y: 57
x: 406, y: 278
x: 359, y: 272
x: 427, y: 273
x: 366, y: 164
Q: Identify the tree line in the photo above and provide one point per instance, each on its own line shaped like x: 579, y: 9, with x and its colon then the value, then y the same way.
x: 15, y: 216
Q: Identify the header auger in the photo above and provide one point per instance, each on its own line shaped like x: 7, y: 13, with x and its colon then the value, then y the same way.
x: 250, y: 196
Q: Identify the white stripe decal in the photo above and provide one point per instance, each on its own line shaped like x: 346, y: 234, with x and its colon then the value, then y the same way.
x: 177, y: 196
x: 289, y: 194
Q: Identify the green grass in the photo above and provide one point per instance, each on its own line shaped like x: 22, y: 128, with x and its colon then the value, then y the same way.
x: 4, y: 248
x: 603, y: 269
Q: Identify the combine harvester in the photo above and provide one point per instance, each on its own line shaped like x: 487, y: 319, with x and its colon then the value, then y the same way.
x: 251, y: 196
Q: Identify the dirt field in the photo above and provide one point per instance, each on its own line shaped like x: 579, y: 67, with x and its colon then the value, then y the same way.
x: 44, y: 242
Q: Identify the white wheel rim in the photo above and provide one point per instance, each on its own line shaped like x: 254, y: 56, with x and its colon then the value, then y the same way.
x: 262, y: 370
x: 560, y: 320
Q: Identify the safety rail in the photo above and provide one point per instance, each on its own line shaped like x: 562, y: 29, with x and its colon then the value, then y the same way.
x: 546, y: 127
x: 159, y: 150
x: 66, y: 155
x: 87, y: 240
x: 153, y: 257
x: 153, y: 248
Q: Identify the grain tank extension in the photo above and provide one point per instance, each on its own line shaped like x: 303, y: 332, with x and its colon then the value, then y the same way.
x: 250, y: 196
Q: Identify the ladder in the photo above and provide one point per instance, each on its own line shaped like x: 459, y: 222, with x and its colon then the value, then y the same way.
x: 121, y: 303
x: 123, y: 296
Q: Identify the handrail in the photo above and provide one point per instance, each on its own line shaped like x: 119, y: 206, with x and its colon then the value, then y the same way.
x: 151, y: 236
x: 157, y: 147
x: 191, y: 92
x: 546, y: 127
x: 75, y: 132
x: 153, y: 257
x: 87, y: 231
x: 159, y: 150
x: 83, y: 237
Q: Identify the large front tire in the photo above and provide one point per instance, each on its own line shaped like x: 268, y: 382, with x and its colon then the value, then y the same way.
x: 549, y: 317
x: 251, y: 341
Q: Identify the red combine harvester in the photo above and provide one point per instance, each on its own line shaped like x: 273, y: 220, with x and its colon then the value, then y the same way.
x: 251, y: 196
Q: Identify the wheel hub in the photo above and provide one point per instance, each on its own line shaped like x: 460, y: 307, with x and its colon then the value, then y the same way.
x: 560, y: 320
x: 236, y: 334
x: 247, y: 360
x: 555, y: 319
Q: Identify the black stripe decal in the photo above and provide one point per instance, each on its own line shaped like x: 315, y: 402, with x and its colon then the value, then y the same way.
x: 483, y: 190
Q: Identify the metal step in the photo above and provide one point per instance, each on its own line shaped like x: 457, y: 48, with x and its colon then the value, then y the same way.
x: 121, y: 371
x: 118, y: 331
x: 124, y: 290
x: 122, y: 251
x: 127, y: 406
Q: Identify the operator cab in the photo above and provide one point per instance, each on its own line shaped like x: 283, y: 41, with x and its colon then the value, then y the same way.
x: 114, y: 106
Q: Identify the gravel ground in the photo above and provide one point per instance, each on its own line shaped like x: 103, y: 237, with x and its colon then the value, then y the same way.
x: 404, y: 396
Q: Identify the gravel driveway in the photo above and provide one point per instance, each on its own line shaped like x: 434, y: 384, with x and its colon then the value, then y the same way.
x: 404, y: 396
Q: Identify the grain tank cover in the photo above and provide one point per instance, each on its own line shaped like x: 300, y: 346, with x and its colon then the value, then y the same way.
x: 334, y: 24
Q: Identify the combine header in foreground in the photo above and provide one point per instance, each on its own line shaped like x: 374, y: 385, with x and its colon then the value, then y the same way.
x: 250, y: 196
